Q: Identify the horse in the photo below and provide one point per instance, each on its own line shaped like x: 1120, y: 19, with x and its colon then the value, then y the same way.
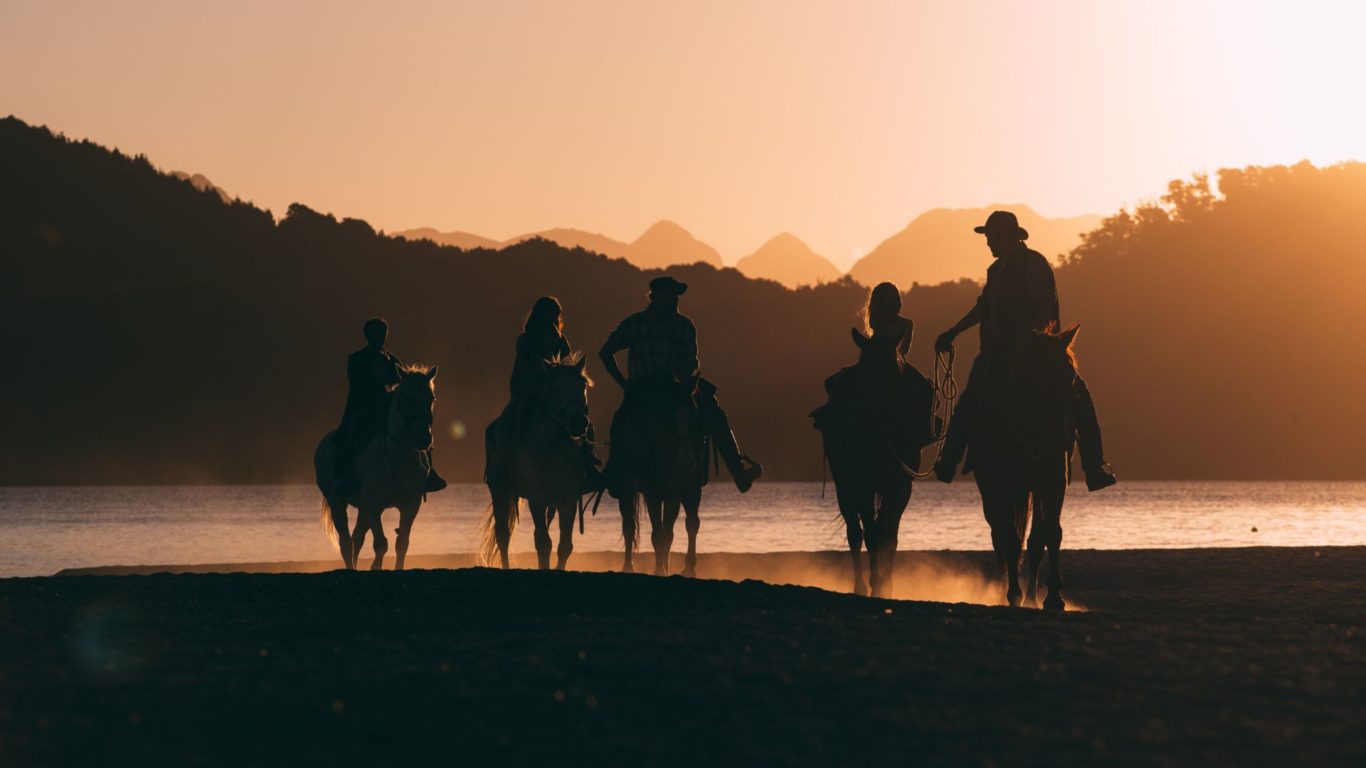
x: 659, y: 459
x: 872, y: 479
x: 546, y: 468
x: 392, y: 468
x: 1021, y: 455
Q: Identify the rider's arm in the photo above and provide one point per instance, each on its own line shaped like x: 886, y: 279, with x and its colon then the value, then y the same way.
x: 686, y: 364
x: 608, y: 354
x: 973, y: 317
x: 1043, y: 293
x: 904, y: 346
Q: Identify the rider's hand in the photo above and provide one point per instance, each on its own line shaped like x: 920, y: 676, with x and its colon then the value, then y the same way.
x: 944, y: 341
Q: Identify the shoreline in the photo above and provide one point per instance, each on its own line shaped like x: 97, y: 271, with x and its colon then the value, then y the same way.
x: 1094, y: 579
x: 1181, y: 657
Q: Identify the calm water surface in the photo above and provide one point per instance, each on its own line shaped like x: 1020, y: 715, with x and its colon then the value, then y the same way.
x: 48, y: 529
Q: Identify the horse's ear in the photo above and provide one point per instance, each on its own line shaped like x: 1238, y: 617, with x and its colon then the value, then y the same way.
x: 860, y: 340
x: 579, y: 366
x: 1070, y: 335
x: 431, y: 373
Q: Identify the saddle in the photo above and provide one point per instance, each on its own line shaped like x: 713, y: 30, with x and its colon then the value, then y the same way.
x: 905, y: 410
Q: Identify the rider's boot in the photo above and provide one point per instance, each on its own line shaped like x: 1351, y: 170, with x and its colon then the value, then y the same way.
x: 951, y: 451
x: 435, y: 482
x: 1098, y: 473
x: 742, y: 468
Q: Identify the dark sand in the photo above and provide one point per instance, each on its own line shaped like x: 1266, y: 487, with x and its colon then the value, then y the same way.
x: 1184, y: 657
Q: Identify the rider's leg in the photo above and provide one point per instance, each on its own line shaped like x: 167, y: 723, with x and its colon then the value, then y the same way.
x: 1098, y: 472
x: 961, y: 423
x: 743, y: 469
x: 435, y: 482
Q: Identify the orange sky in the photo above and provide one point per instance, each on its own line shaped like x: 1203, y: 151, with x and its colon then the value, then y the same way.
x: 838, y: 122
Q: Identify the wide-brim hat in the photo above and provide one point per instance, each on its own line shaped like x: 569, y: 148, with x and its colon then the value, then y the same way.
x: 667, y: 286
x: 1003, y: 223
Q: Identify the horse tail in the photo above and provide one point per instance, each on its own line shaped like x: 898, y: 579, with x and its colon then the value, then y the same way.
x: 488, y: 536
x: 329, y: 528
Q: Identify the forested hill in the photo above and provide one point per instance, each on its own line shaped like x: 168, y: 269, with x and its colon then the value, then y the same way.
x: 159, y: 334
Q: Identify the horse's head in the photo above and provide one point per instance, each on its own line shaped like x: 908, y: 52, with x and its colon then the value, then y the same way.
x: 414, y: 403
x: 565, y: 397
x: 1044, y: 367
x: 876, y: 353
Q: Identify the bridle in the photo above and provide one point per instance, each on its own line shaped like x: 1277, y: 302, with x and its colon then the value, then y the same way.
x: 422, y: 418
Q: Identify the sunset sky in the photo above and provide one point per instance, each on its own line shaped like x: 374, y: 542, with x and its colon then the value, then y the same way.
x: 838, y: 122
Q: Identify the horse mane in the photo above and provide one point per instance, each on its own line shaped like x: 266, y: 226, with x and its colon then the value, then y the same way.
x: 567, y: 363
x: 1053, y: 333
x: 413, y: 369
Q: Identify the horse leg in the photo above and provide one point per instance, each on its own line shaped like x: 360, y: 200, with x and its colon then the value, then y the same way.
x: 358, y: 535
x: 889, y: 527
x: 539, y: 512
x: 872, y: 542
x: 337, y: 509
x: 373, y: 520
x: 1005, y: 505
x: 1048, y: 508
x: 1035, y: 552
x: 407, y: 515
x: 627, y: 505
x: 654, y: 507
x: 569, y: 510
x: 850, y: 503
x: 504, y: 507
x: 672, y: 507
x: 692, y: 504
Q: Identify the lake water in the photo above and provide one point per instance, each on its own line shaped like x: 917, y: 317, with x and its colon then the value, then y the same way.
x: 47, y: 529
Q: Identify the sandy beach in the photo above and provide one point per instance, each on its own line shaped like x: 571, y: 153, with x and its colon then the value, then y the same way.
x: 1223, y: 656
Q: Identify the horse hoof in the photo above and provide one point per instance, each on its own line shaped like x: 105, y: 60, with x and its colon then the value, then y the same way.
x: 690, y: 572
x: 1014, y: 599
x: 860, y: 590
x: 627, y: 568
x: 1054, y: 603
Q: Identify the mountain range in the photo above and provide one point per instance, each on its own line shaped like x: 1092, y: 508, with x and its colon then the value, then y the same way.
x: 937, y: 246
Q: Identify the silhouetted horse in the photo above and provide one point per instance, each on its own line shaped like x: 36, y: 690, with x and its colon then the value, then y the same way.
x: 392, y: 468
x: 870, y: 465
x: 546, y: 468
x: 1021, y: 455
x: 653, y: 463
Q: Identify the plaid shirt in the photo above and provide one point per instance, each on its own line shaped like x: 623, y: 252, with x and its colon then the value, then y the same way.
x: 657, y: 343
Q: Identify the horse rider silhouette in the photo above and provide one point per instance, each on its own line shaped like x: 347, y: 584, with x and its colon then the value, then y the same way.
x: 542, y: 340
x: 661, y: 343
x: 1020, y: 297
x: 370, y: 374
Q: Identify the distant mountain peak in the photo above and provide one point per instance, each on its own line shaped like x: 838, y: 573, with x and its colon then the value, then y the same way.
x: 667, y: 243
x: 786, y: 259
x: 201, y: 182
x: 939, y: 245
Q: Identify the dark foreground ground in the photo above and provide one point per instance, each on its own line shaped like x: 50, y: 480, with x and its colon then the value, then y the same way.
x: 1195, y: 657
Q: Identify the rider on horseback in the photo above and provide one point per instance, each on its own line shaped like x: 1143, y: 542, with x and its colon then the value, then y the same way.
x: 661, y: 346
x: 1020, y: 297
x: 542, y: 340
x: 370, y: 375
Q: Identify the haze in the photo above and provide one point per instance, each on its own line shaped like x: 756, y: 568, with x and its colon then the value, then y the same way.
x: 838, y: 122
